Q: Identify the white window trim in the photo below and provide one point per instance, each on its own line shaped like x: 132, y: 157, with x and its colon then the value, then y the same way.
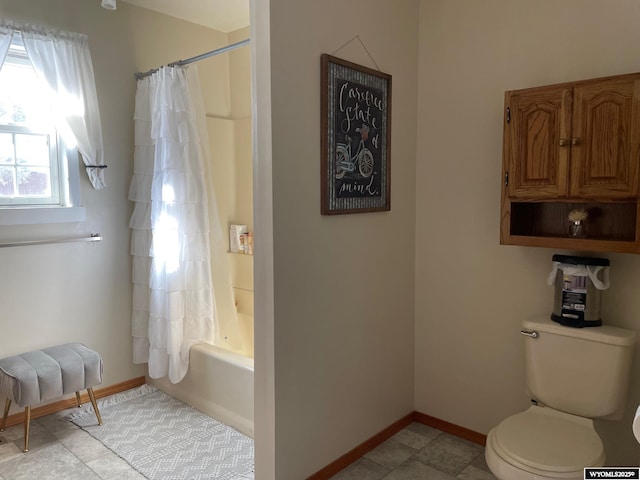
x: 67, y: 179
x: 73, y: 212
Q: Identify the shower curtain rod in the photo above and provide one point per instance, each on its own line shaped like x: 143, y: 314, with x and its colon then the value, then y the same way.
x: 180, y: 63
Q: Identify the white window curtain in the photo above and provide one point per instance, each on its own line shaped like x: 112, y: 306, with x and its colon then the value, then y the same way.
x: 6, y: 34
x: 173, y: 302
x: 62, y: 60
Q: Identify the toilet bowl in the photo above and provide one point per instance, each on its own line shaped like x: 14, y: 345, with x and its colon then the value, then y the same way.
x: 542, y: 443
x: 555, y: 438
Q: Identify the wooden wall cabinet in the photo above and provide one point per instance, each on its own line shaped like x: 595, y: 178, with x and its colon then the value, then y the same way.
x: 568, y: 146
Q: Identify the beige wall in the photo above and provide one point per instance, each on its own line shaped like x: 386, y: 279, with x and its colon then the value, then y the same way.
x: 472, y: 293
x: 343, y: 285
x: 81, y: 292
x: 78, y: 292
x: 336, y: 295
x: 264, y: 373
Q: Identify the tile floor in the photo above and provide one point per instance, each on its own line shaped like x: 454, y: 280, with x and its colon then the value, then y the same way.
x: 420, y: 452
x: 59, y: 450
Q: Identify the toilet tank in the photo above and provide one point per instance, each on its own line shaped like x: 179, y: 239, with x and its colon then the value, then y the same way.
x: 582, y: 371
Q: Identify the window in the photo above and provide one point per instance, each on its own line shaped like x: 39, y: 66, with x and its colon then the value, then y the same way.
x: 37, y: 168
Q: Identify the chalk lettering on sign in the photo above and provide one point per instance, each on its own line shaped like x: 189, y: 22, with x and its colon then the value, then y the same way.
x: 363, y: 189
x: 356, y: 104
x: 359, y: 115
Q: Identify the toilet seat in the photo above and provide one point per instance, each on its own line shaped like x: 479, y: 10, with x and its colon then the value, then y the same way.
x: 547, y: 443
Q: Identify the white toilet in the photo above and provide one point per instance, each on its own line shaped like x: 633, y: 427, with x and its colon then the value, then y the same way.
x: 574, y: 375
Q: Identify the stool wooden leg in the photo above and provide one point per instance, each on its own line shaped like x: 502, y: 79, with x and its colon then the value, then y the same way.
x: 27, y: 427
x: 7, y: 405
x: 78, y: 399
x: 92, y: 397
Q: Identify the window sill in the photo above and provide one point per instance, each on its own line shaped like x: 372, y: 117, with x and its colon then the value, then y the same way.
x: 39, y: 215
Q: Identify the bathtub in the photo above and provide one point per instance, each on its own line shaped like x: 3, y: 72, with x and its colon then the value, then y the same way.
x: 219, y: 383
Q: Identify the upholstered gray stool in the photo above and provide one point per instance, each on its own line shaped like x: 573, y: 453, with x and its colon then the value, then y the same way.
x: 35, y: 377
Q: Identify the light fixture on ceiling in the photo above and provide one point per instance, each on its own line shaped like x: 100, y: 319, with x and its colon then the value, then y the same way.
x: 109, y: 4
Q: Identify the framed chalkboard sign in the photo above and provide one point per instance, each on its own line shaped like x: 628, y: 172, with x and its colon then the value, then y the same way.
x: 356, y: 138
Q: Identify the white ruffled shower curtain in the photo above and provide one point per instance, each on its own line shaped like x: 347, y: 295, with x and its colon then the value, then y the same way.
x: 62, y: 60
x: 173, y: 300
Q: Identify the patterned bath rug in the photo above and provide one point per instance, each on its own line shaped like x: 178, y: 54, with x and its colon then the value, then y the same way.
x: 164, y: 439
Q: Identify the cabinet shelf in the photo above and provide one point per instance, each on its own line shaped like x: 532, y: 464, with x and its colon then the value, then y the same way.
x: 606, y: 221
x: 611, y: 227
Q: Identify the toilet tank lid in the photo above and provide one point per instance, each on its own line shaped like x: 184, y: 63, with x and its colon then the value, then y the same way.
x: 602, y: 334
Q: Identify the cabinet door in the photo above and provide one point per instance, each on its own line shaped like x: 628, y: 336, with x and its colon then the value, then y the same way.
x: 536, y: 136
x: 605, y: 138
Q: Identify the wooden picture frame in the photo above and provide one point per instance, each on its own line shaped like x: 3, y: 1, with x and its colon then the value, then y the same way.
x: 356, y: 138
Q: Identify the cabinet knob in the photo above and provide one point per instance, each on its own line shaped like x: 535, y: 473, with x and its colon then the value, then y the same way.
x: 576, y: 141
x: 563, y: 142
